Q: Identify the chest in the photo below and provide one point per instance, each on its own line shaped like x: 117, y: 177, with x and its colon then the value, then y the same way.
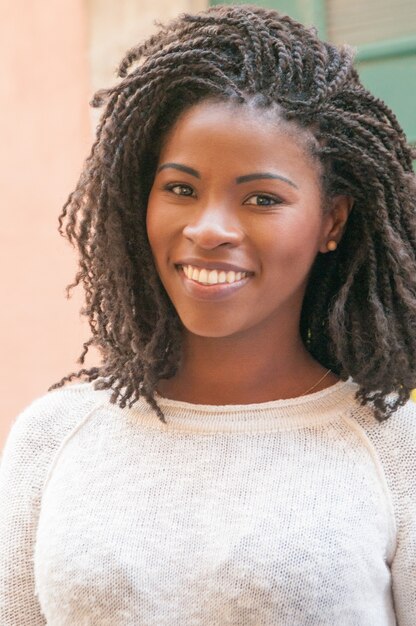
x: 265, y: 527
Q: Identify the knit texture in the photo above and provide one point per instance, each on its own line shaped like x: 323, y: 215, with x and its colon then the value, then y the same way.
x: 286, y: 513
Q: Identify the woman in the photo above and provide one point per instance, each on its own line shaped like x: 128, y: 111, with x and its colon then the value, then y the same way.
x: 246, y: 452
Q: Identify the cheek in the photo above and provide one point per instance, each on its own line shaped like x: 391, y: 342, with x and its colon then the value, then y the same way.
x: 290, y: 249
x: 154, y: 228
x: 150, y: 229
x: 290, y: 238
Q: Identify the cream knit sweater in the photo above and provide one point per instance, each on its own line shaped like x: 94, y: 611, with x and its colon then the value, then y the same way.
x: 286, y: 513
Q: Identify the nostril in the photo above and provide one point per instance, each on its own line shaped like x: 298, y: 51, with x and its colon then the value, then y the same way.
x: 212, y: 235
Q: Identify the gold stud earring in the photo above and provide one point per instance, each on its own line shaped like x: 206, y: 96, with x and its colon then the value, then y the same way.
x: 331, y: 245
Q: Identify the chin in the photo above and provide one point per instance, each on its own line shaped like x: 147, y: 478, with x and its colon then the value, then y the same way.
x: 215, y: 329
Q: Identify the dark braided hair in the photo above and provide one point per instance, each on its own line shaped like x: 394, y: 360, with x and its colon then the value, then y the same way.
x: 359, y: 311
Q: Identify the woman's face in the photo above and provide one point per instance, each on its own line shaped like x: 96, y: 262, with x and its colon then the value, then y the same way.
x: 235, y: 219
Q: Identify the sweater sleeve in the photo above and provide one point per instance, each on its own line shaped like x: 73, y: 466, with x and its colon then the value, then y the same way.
x: 394, y: 441
x: 30, y: 448
x: 404, y: 574
x: 403, y: 567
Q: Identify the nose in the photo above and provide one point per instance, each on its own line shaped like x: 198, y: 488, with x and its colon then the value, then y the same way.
x: 214, y: 226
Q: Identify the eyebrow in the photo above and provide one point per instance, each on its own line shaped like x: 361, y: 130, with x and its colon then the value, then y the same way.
x: 264, y: 175
x: 240, y: 179
x: 182, y: 168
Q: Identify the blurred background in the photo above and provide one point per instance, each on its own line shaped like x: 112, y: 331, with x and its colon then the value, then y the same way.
x: 53, y: 55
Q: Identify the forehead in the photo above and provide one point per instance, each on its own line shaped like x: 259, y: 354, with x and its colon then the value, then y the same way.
x: 242, y: 132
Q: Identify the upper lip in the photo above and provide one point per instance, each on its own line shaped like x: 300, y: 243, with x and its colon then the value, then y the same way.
x: 213, y: 265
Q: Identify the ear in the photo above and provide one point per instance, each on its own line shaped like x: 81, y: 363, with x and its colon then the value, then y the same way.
x: 334, y: 222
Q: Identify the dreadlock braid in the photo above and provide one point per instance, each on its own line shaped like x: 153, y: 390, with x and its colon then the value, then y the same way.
x: 359, y: 312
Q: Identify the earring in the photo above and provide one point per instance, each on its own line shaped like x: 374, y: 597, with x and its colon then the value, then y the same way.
x: 331, y: 245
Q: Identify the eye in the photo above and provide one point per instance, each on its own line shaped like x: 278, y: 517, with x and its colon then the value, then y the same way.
x: 180, y: 189
x: 263, y: 199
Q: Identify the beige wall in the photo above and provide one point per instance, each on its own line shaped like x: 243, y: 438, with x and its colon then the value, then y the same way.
x: 44, y: 133
x: 52, y: 56
x: 116, y: 25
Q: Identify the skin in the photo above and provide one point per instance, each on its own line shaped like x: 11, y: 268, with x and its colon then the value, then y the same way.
x: 246, y: 347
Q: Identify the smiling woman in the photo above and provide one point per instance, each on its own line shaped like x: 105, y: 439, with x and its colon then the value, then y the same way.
x: 247, y: 235
x: 261, y: 220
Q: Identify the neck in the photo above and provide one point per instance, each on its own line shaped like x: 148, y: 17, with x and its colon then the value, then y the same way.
x: 244, y: 370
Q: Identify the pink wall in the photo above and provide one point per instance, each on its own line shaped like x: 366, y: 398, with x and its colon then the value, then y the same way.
x: 45, y: 135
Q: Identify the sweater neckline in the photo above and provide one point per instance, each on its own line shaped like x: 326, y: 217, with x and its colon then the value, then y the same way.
x: 287, y: 414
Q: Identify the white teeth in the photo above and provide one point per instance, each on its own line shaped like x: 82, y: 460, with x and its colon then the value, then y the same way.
x: 212, y: 277
x: 203, y: 276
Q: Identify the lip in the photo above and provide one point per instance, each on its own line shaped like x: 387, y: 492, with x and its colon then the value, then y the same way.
x: 220, y: 291
x: 212, y: 265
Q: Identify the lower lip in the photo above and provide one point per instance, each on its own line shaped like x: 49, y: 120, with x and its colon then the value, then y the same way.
x: 218, y: 291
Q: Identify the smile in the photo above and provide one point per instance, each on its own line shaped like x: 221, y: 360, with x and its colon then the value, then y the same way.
x: 205, y: 284
x: 205, y: 276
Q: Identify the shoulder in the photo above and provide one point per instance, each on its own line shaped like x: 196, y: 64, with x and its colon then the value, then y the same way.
x: 400, y: 440
x: 394, y: 445
x: 40, y: 427
x: 402, y: 425
x: 33, y: 443
x: 397, y: 434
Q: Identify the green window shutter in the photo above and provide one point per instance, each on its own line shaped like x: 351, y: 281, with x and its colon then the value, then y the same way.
x: 384, y: 34
x: 357, y: 22
x: 391, y: 75
x: 305, y: 11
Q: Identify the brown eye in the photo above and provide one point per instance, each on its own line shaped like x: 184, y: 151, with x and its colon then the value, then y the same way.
x: 180, y: 190
x: 262, y: 199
